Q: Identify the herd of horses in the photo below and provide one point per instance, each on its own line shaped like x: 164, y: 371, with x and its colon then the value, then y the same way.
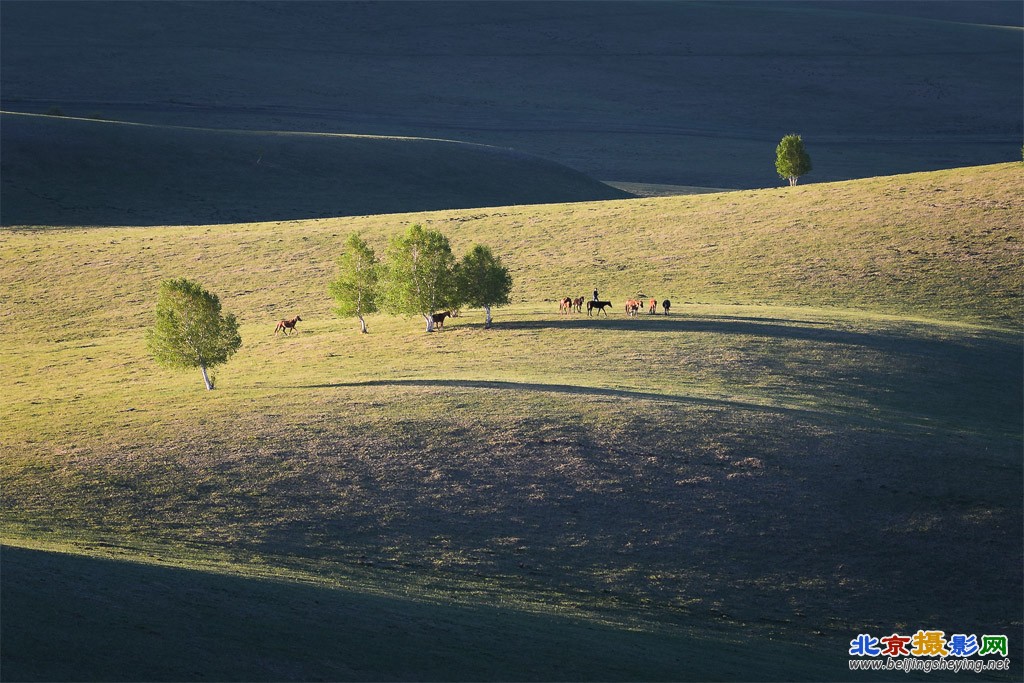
x: 288, y: 326
x: 569, y: 305
x: 566, y: 305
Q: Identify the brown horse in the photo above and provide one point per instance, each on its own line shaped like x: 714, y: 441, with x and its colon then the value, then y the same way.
x: 577, y: 304
x: 564, y: 305
x: 439, y: 318
x: 632, y: 307
x: 286, y: 325
x: 653, y: 308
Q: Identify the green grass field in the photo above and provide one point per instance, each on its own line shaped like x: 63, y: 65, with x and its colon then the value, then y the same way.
x: 822, y: 439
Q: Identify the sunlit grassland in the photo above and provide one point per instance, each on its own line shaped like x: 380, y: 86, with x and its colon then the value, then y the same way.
x: 943, y: 245
x: 825, y: 430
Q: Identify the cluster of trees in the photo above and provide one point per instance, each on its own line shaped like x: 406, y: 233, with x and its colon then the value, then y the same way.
x: 420, y: 276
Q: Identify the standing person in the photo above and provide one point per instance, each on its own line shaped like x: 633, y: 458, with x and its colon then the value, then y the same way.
x: 595, y: 295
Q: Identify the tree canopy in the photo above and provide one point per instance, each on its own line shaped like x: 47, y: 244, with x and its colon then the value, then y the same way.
x: 419, y: 275
x: 791, y: 158
x: 355, y: 288
x: 190, y: 330
x: 483, y: 281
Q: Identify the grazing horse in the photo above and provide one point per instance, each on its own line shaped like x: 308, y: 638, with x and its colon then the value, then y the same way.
x: 599, y: 305
x: 666, y: 304
x: 439, y: 318
x: 286, y: 325
x: 632, y: 307
x: 564, y: 305
x: 653, y: 308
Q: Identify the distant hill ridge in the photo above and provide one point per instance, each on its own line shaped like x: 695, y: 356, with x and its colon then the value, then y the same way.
x: 70, y: 171
x: 677, y: 93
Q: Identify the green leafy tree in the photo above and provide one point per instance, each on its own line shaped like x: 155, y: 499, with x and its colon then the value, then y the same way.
x: 355, y: 289
x: 418, y: 277
x: 190, y: 331
x: 483, y: 280
x: 791, y: 158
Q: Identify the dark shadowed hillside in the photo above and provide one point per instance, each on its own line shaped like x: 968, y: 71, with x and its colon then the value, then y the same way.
x: 685, y: 93
x: 61, y: 171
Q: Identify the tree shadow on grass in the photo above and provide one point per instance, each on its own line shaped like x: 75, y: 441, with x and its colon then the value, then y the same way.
x: 913, y: 373
x: 566, y: 389
x: 907, y: 339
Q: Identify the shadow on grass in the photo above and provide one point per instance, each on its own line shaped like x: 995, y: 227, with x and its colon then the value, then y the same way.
x: 76, y: 618
x: 564, y: 389
x: 762, y: 327
x: 907, y: 374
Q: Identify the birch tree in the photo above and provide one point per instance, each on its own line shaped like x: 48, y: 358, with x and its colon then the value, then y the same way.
x: 190, y: 330
x: 418, y: 277
x: 355, y: 289
x: 483, y: 280
x: 792, y: 159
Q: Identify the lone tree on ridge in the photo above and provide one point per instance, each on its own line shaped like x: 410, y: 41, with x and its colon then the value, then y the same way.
x: 190, y: 331
x: 355, y: 289
x: 419, y: 275
x: 791, y: 158
x: 483, y: 281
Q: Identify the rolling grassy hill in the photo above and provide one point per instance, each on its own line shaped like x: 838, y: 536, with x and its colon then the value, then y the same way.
x: 824, y: 434
x: 684, y: 93
x: 62, y: 171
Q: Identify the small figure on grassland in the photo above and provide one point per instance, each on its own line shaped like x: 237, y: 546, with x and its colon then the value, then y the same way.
x: 439, y: 318
x: 287, y: 326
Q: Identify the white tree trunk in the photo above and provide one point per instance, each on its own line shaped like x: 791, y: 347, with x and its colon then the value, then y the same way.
x: 206, y: 378
x: 430, y: 322
x: 487, y: 316
x: 363, y: 324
